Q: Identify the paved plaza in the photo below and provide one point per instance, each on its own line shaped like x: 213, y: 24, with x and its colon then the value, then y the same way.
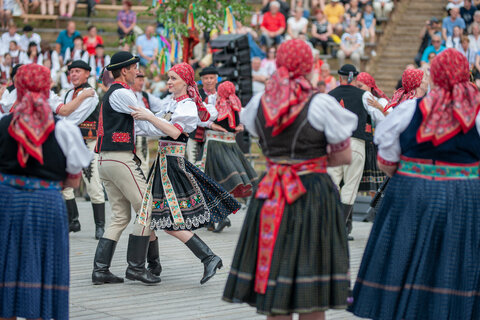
x: 179, y: 295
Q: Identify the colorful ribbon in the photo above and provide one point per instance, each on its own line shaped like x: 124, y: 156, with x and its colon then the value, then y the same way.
x: 281, y: 184
x: 229, y: 25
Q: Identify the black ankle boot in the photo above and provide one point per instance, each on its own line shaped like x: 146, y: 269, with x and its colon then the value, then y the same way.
x: 211, y: 226
x: 153, y: 258
x: 136, y: 256
x: 99, y: 217
x: 211, y: 262
x: 101, y: 264
x: 222, y: 224
x: 72, y: 209
x: 347, y: 214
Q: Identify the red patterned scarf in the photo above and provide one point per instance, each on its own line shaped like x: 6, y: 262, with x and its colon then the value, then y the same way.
x: 185, y: 71
x: 32, y: 120
x: 369, y: 81
x: 227, y: 103
x: 288, y: 90
x: 411, y: 80
x: 452, y: 106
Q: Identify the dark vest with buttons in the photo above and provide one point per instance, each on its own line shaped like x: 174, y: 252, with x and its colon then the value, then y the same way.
x: 350, y: 98
x: 299, y: 141
x: 116, y: 130
x: 54, y: 161
x: 88, y: 128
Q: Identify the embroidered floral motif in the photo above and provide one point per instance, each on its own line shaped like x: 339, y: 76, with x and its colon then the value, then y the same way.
x: 184, y: 204
x: 438, y: 170
x: 29, y: 182
x: 122, y: 137
x: 337, y: 147
x: 227, y: 137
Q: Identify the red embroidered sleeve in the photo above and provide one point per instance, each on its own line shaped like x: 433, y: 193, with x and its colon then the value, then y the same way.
x: 337, y: 147
x: 385, y: 162
x: 74, y: 176
x: 179, y: 127
x: 57, y: 110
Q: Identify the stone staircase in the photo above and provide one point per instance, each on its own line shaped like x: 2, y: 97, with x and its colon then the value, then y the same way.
x: 400, y: 42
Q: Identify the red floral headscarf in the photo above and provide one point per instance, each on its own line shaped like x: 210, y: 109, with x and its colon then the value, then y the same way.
x: 288, y: 90
x: 185, y: 71
x: 32, y: 120
x: 369, y: 81
x: 227, y: 103
x: 453, y: 105
x: 411, y: 80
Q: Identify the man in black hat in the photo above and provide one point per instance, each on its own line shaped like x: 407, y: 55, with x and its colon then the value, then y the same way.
x: 354, y: 100
x: 86, y: 117
x: 120, y: 171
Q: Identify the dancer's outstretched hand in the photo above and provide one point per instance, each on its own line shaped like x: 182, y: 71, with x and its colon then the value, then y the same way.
x: 139, y: 113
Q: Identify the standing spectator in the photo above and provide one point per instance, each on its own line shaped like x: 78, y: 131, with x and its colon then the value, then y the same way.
x: 29, y: 36
x: 435, y: 47
x: 269, y: 64
x: 99, y: 61
x: 126, y: 20
x: 284, y: 8
x: 382, y: 8
x: 431, y: 27
x: 77, y: 53
x: 467, y: 12
x: 321, y: 31
x: 475, y: 37
x: 11, y: 35
x: 65, y: 38
x: 369, y: 23
x: 147, y: 46
x: 48, y: 54
x: 453, y: 41
x: 259, y: 76
x: 273, y: 26
x: 467, y: 51
x: 91, y: 40
x: 351, y: 46
x: 353, y: 14
x: 43, y: 7
x: 296, y: 24
x: 62, y: 8
x: 450, y: 22
x: 334, y: 11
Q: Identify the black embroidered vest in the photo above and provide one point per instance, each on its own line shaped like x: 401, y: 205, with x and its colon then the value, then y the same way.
x: 89, y: 126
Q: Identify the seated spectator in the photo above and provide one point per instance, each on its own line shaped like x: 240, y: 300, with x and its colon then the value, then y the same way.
x: 467, y: 51
x: 334, y: 11
x: 15, y: 52
x: 7, y: 9
x: 453, y: 41
x: 382, y: 8
x: 475, y: 37
x: 273, y: 26
x: 43, y: 7
x: 259, y: 76
x: 467, y: 12
x: 147, y: 46
x: 284, y: 7
x: 32, y: 55
x: 77, y: 52
x: 6, y: 68
x: 256, y: 20
x: 255, y: 50
x: 369, y: 23
x: 53, y: 74
x: 476, y: 19
x: 327, y: 78
x: 299, y: 4
x: 296, y: 24
x: 351, y: 46
x: 321, y: 31
x: 353, y: 14
x: 452, y: 21
x: 98, y: 61
x: 457, y: 4
x: 29, y: 36
x: 48, y: 54
x: 268, y: 64
x: 431, y: 27
x: 65, y: 38
x: 158, y: 86
x: 62, y: 8
x: 10, y: 35
x: 27, y: 4
x: 435, y: 47
x: 126, y: 20
x: 91, y: 40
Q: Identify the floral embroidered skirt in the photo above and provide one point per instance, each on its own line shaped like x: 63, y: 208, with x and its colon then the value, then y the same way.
x: 226, y: 164
x: 422, y: 260
x: 199, y: 198
x: 34, y: 267
x: 372, y: 176
x: 309, y: 269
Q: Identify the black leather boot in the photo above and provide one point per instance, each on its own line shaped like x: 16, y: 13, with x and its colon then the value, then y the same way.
x: 136, y: 256
x: 99, y: 217
x: 211, y: 226
x: 347, y: 213
x: 211, y: 262
x: 72, y: 209
x: 153, y: 258
x: 222, y: 224
x: 101, y: 264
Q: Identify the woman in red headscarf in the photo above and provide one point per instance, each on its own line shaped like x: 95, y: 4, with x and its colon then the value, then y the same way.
x: 222, y: 159
x: 372, y: 177
x: 180, y: 197
x: 412, y: 79
x: 40, y: 154
x: 292, y: 255
x: 422, y: 260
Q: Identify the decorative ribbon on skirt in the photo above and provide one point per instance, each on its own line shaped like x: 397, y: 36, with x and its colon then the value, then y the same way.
x: 281, y: 184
